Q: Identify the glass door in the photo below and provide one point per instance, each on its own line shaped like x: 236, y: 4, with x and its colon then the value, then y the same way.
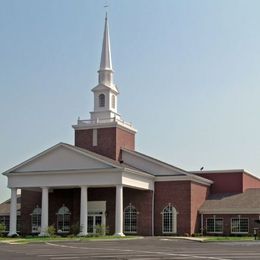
x: 94, y: 224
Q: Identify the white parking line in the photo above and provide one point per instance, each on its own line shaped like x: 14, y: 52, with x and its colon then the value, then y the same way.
x: 63, y: 258
x: 142, y: 252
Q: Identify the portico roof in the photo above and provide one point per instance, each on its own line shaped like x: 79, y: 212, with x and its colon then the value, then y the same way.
x: 65, y: 165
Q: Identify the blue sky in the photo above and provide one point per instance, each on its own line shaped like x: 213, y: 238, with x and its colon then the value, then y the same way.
x: 188, y: 74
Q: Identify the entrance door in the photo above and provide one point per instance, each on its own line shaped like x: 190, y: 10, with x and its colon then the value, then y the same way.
x: 94, y: 224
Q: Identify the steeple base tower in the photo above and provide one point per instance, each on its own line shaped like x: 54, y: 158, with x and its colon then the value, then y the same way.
x: 105, y: 138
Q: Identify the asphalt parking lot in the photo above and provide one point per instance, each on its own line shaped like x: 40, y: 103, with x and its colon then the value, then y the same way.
x: 146, y: 248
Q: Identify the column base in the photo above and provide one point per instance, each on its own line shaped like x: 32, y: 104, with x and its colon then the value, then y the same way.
x: 82, y: 234
x: 119, y: 234
x: 12, y: 234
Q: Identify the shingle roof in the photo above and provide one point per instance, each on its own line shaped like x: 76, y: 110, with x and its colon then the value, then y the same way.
x: 227, y: 203
x: 5, y: 206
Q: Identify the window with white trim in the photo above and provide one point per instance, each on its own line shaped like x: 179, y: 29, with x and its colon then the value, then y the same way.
x: 5, y: 220
x: 130, y: 219
x: 101, y: 98
x: 239, y: 225
x: 36, y: 220
x: 169, y: 219
x: 63, y: 220
x: 214, y: 225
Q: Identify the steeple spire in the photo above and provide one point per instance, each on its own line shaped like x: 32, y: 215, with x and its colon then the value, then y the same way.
x: 106, y: 61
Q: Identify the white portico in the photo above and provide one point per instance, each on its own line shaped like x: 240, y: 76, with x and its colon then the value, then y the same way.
x: 66, y: 166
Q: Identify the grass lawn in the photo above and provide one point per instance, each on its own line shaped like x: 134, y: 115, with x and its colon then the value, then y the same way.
x: 30, y: 239
x: 227, y: 238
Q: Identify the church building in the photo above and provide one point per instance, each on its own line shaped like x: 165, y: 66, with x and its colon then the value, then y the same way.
x: 103, y: 181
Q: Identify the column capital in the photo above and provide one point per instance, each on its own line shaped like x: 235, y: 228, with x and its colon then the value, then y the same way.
x: 45, y: 188
x: 84, y: 186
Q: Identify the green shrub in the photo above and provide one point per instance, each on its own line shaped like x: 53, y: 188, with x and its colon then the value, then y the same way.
x: 101, y: 230
x: 51, y: 231
x: 2, y: 229
x: 75, y: 229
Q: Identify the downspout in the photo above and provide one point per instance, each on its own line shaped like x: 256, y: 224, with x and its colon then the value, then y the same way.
x: 201, y: 224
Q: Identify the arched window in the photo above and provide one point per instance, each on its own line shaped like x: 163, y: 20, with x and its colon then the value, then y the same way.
x: 63, y: 220
x: 169, y: 219
x: 101, y: 98
x: 113, y: 101
x: 36, y: 220
x: 130, y: 219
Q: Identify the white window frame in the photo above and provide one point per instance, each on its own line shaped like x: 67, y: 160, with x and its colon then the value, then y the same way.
x: 239, y: 225
x: 6, y: 221
x: 63, y: 211
x: 174, y: 220
x: 214, y: 225
x: 132, y: 209
x: 102, y: 100
x: 36, y: 212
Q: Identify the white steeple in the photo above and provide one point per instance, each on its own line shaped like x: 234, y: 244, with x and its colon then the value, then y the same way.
x: 105, y: 94
x: 106, y: 61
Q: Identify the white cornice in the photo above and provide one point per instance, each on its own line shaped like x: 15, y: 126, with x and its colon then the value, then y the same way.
x: 183, y: 178
x: 118, y: 124
x: 140, y: 173
x: 109, y: 170
x: 220, y: 171
x: 230, y: 211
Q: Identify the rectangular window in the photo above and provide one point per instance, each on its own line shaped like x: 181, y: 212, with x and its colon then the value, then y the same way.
x: 36, y: 223
x: 94, y: 141
x: 214, y: 225
x: 239, y: 225
x: 5, y: 220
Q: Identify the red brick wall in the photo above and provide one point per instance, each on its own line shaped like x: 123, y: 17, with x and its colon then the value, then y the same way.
x: 106, y: 141
x: 227, y: 221
x: 124, y: 139
x: 70, y: 199
x: 110, y: 141
x: 250, y: 181
x: 199, y: 193
x: 177, y: 193
x: 228, y: 182
x: 108, y: 195
x: 142, y: 201
x: 29, y: 200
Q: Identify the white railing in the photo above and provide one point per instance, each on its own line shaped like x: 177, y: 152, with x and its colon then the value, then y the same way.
x: 103, y: 121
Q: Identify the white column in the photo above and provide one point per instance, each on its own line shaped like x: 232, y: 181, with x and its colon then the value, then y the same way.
x: 45, y: 212
x: 119, y: 211
x: 84, y: 211
x: 13, y: 213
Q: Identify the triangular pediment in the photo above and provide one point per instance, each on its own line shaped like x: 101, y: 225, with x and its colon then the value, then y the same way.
x: 63, y: 157
x: 103, y: 87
